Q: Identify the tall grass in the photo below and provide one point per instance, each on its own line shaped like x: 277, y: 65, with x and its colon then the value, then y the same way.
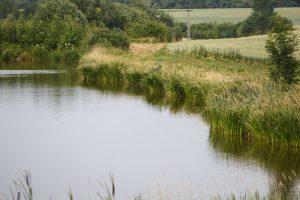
x: 22, y: 188
x: 234, y: 96
x: 24, y: 191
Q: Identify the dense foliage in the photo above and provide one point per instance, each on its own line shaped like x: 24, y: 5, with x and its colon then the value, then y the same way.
x: 35, y: 28
x: 216, y: 3
x: 281, y: 46
x: 214, y: 30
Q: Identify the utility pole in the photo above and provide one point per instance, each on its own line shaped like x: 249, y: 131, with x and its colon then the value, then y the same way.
x: 188, y: 24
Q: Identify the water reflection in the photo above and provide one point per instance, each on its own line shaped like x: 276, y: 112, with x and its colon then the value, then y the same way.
x: 282, y: 164
x: 152, y: 96
x: 86, y: 111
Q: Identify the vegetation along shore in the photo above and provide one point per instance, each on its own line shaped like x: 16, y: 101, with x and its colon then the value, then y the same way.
x: 255, y: 98
x: 232, y: 92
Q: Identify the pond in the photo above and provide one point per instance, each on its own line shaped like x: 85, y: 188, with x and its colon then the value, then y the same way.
x: 72, y: 135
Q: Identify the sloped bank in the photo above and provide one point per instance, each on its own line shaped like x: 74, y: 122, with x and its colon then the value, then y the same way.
x: 237, y: 99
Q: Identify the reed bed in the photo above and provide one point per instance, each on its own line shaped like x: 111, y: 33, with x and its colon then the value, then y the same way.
x: 235, y: 96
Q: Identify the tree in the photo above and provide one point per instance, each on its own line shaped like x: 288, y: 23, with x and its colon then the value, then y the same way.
x: 6, y: 7
x: 281, y: 46
x: 259, y: 22
x: 52, y: 9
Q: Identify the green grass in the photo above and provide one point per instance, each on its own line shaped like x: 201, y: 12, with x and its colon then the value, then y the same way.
x: 233, y: 15
x: 232, y: 92
x: 253, y: 46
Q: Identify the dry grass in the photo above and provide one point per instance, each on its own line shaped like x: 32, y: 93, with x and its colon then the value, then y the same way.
x: 98, y: 54
x: 192, y: 70
x: 138, y: 48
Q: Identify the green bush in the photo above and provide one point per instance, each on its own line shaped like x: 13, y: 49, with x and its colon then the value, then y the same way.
x: 11, y: 53
x: 39, y: 52
x: 148, y: 29
x: 281, y: 45
x: 106, y: 37
x: 177, y: 32
x: 56, y: 56
x: 214, y: 30
x: 70, y: 56
x: 50, y: 9
x: 8, y: 31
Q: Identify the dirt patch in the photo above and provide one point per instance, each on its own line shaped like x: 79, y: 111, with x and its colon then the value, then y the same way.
x: 137, y: 48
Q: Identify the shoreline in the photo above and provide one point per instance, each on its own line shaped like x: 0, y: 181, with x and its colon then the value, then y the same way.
x: 236, y: 98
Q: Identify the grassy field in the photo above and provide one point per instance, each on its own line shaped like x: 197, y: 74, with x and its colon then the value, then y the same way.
x: 233, y: 15
x: 235, y: 97
x: 253, y: 46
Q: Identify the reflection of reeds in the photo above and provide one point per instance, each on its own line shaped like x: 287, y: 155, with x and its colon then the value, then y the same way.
x: 236, y: 98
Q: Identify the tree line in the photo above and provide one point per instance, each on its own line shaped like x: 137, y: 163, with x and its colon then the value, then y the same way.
x: 63, y: 28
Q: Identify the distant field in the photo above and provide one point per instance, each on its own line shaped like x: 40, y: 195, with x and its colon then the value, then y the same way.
x: 233, y: 15
x: 253, y: 46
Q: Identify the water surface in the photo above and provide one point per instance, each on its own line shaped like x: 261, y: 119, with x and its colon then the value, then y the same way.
x: 69, y: 134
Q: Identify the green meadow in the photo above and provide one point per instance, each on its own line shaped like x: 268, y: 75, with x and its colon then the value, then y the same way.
x: 253, y: 46
x: 232, y: 15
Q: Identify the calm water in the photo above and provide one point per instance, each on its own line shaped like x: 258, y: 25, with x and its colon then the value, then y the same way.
x: 71, y: 135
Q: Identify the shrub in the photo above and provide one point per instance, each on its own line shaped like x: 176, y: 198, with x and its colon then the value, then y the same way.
x: 11, y: 53
x: 50, y: 9
x: 39, y: 52
x: 262, y: 19
x: 56, y: 56
x: 281, y: 46
x: 72, y: 34
x: 106, y: 37
x: 213, y: 30
x: 70, y: 56
x: 204, y: 31
x: 178, y: 31
x: 148, y: 29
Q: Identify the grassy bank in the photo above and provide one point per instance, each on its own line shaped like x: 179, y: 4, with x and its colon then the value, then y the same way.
x: 236, y: 98
x: 232, y: 15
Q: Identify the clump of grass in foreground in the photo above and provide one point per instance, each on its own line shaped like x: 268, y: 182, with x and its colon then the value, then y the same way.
x: 23, y: 190
x: 235, y: 98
